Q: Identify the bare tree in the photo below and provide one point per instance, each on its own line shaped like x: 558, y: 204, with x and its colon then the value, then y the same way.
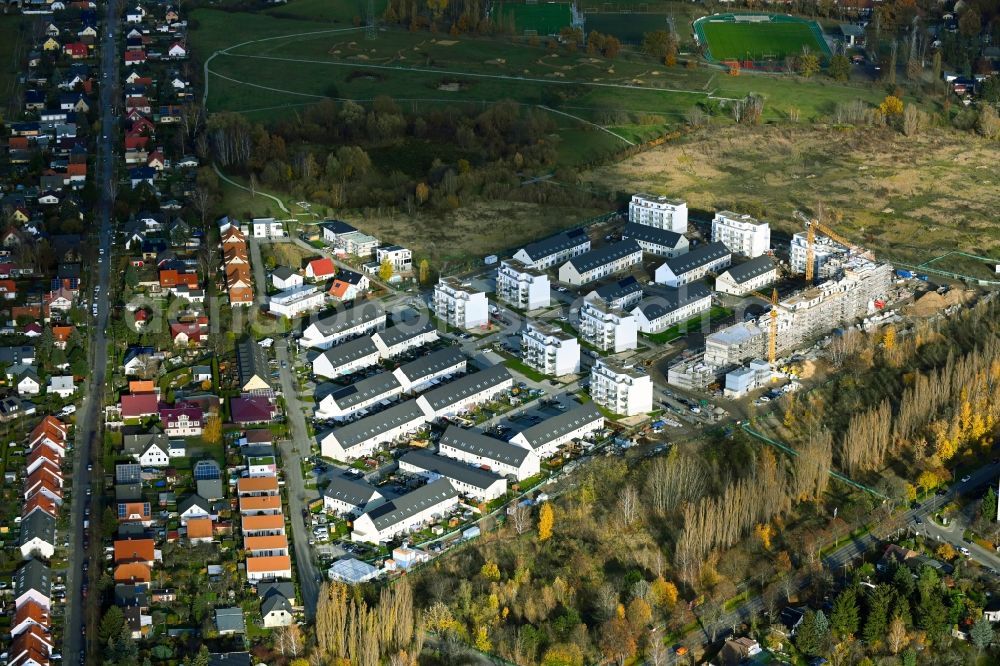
x: 520, y: 519
x: 628, y: 505
x: 657, y: 653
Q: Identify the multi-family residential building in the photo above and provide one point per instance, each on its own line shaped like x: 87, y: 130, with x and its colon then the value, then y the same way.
x: 549, y: 349
x: 346, y: 401
x: 343, y: 325
x: 403, y: 336
x: 479, y: 484
x: 460, y: 305
x: 546, y: 437
x: 828, y: 255
x: 653, y: 240
x: 346, y: 358
x: 668, y: 306
x: 296, y: 301
x: 623, y: 389
x: 693, y: 265
x: 522, y: 287
x: 600, y: 263
x: 749, y: 276
x: 466, y: 392
x: 734, y: 344
x: 554, y: 250
x: 406, y: 513
x: 659, y: 212
x: 621, y: 294
x: 400, y: 258
x: 349, y: 497
x: 475, y: 448
x: 742, y: 234
x: 365, y: 436
x: 429, y: 368
x: 607, y: 328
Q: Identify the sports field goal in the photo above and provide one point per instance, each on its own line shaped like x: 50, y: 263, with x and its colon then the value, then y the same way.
x: 530, y: 33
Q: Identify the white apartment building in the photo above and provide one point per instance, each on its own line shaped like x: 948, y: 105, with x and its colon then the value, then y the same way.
x: 734, y: 344
x: 466, y: 392
x: 421, y: 372
x: 694, y: 265
x: 479, y: 484
x: 265, y: 227
x: 653, y: 240
x: 296, y: 301
x: 554, y: 250
x: 828, y: 255
x: 549, y: 349
x: 601, y: 262
x: 365, y: 436
x: 474, y: 448
x: 742, y: 234
x: 363, y: 394
x: 608, y: 329
x: 749, y: 276
x: 667, y: 307
x: 522, y: 287
x: 346, y: 358
x: 658, y: 212
x: 399, y: 257
x: 623, y: 389
x: 406, y: 513
x: 460, y: 305
x: 343, y: 325
x: 403, y: 336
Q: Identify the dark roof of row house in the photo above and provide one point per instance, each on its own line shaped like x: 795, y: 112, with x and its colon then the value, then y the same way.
x: 664, y: 300
x: 355, y: 433
x: 469, y: 385
x: 623, y: 288
x: 33, y: 575
x: 557, y: 426
x: 38, y: 525
x: 557, y: 243
x: 365, y: 389
x: 351, y: 491
x: 479, y: 444
x: 748, y: 270
x: 436, y: 361
x: 602, y: 256
x: 403, y: 331
x: 251, y: 362
x: 283, y: 272
x: 697, y: 258
x: 345, y: 319
x: 655, y: 235
x: 401, y: 508
x: 450, y: 469
x: 350, y: 351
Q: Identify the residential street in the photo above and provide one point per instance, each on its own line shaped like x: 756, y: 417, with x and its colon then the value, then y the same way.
x: 90, y: 414
x: 292, y: 452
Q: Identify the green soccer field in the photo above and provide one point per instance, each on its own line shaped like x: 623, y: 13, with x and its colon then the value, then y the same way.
x: 759, y: 41
x: 547, y: 18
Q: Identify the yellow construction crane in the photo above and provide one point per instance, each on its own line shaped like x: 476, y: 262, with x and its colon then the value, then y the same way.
x: 811, y: 226
x: 772, y: 332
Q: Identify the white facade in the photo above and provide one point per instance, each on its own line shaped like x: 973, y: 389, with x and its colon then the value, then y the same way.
x: 828, y: 255
x: 289, y: 282
x: 550, y: 350
x: 742, y: 234
x: 554, y: 250
x: 400, y: 257
x: 656, y: 319
x: 365, y: 436
x: 734, y: 344
x: 463, y: 394
x: 738, y: 281
x: 622, y: 389
x: 154, y: 456
x: 333, y: 362
x: 424, y: 466
x: 63, y: 386
x: 694, y: 265
x: 521, y: 286
x: 583, y: 421
x: 390, y: 349
x: 330, y: 408
x: 659, y: 212
x: 606, y: 328
x: 460, y: 305
x: 296, y: 301
x: 265, y: 227
x: 343, y: 325
x: 492, y: 456
x: 405, y: 514
x: 601, y: 263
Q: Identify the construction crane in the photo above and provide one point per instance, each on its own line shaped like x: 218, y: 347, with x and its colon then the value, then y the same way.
x: 812, y: 225
x: 772, y: 329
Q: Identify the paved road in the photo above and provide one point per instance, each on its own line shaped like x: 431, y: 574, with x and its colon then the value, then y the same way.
x: 88, y: 424
x: 292, y: 452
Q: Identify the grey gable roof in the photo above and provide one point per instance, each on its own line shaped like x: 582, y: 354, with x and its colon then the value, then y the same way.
x: 463, y: 387
x: 283, y: 272
x: 624, y: 287
x: 401, y: 332
x: 478, y: 444
x: 33, y: 575
x: 138, y: 444
x: 437, y: 361
x: 750, y: 269
x: 557, y: 426
x: 38, y: 525
x: 282, y: 587
x: 344, y: 319
x: 275, y: 602
x: 450, y: 469
x: 354, y: 433
x: 588, y: 261
x: 557, y: 243
x: 351, y: 491
x: 365, y: 389
x: 251, y: 361
x: 194, y: 500
x: 654, y: 235
x: 405, y: 506
x: 350, y: 351
x: 697, y: 257
x: 664, y: 300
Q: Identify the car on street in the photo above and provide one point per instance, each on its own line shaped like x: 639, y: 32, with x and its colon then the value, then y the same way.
x: 966, y: 478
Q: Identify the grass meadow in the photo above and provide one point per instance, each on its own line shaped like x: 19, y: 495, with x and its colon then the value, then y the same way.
x: 758, y: 41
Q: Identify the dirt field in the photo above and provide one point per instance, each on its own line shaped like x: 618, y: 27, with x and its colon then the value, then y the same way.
x: 287, y: 254
x: 473, y: 231
x: 908, y: 198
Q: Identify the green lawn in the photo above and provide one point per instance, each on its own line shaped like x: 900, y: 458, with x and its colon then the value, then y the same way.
x: 759, y: 41
x: 680, y: 330
x: 12, y: 47
x: 545, y: 18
